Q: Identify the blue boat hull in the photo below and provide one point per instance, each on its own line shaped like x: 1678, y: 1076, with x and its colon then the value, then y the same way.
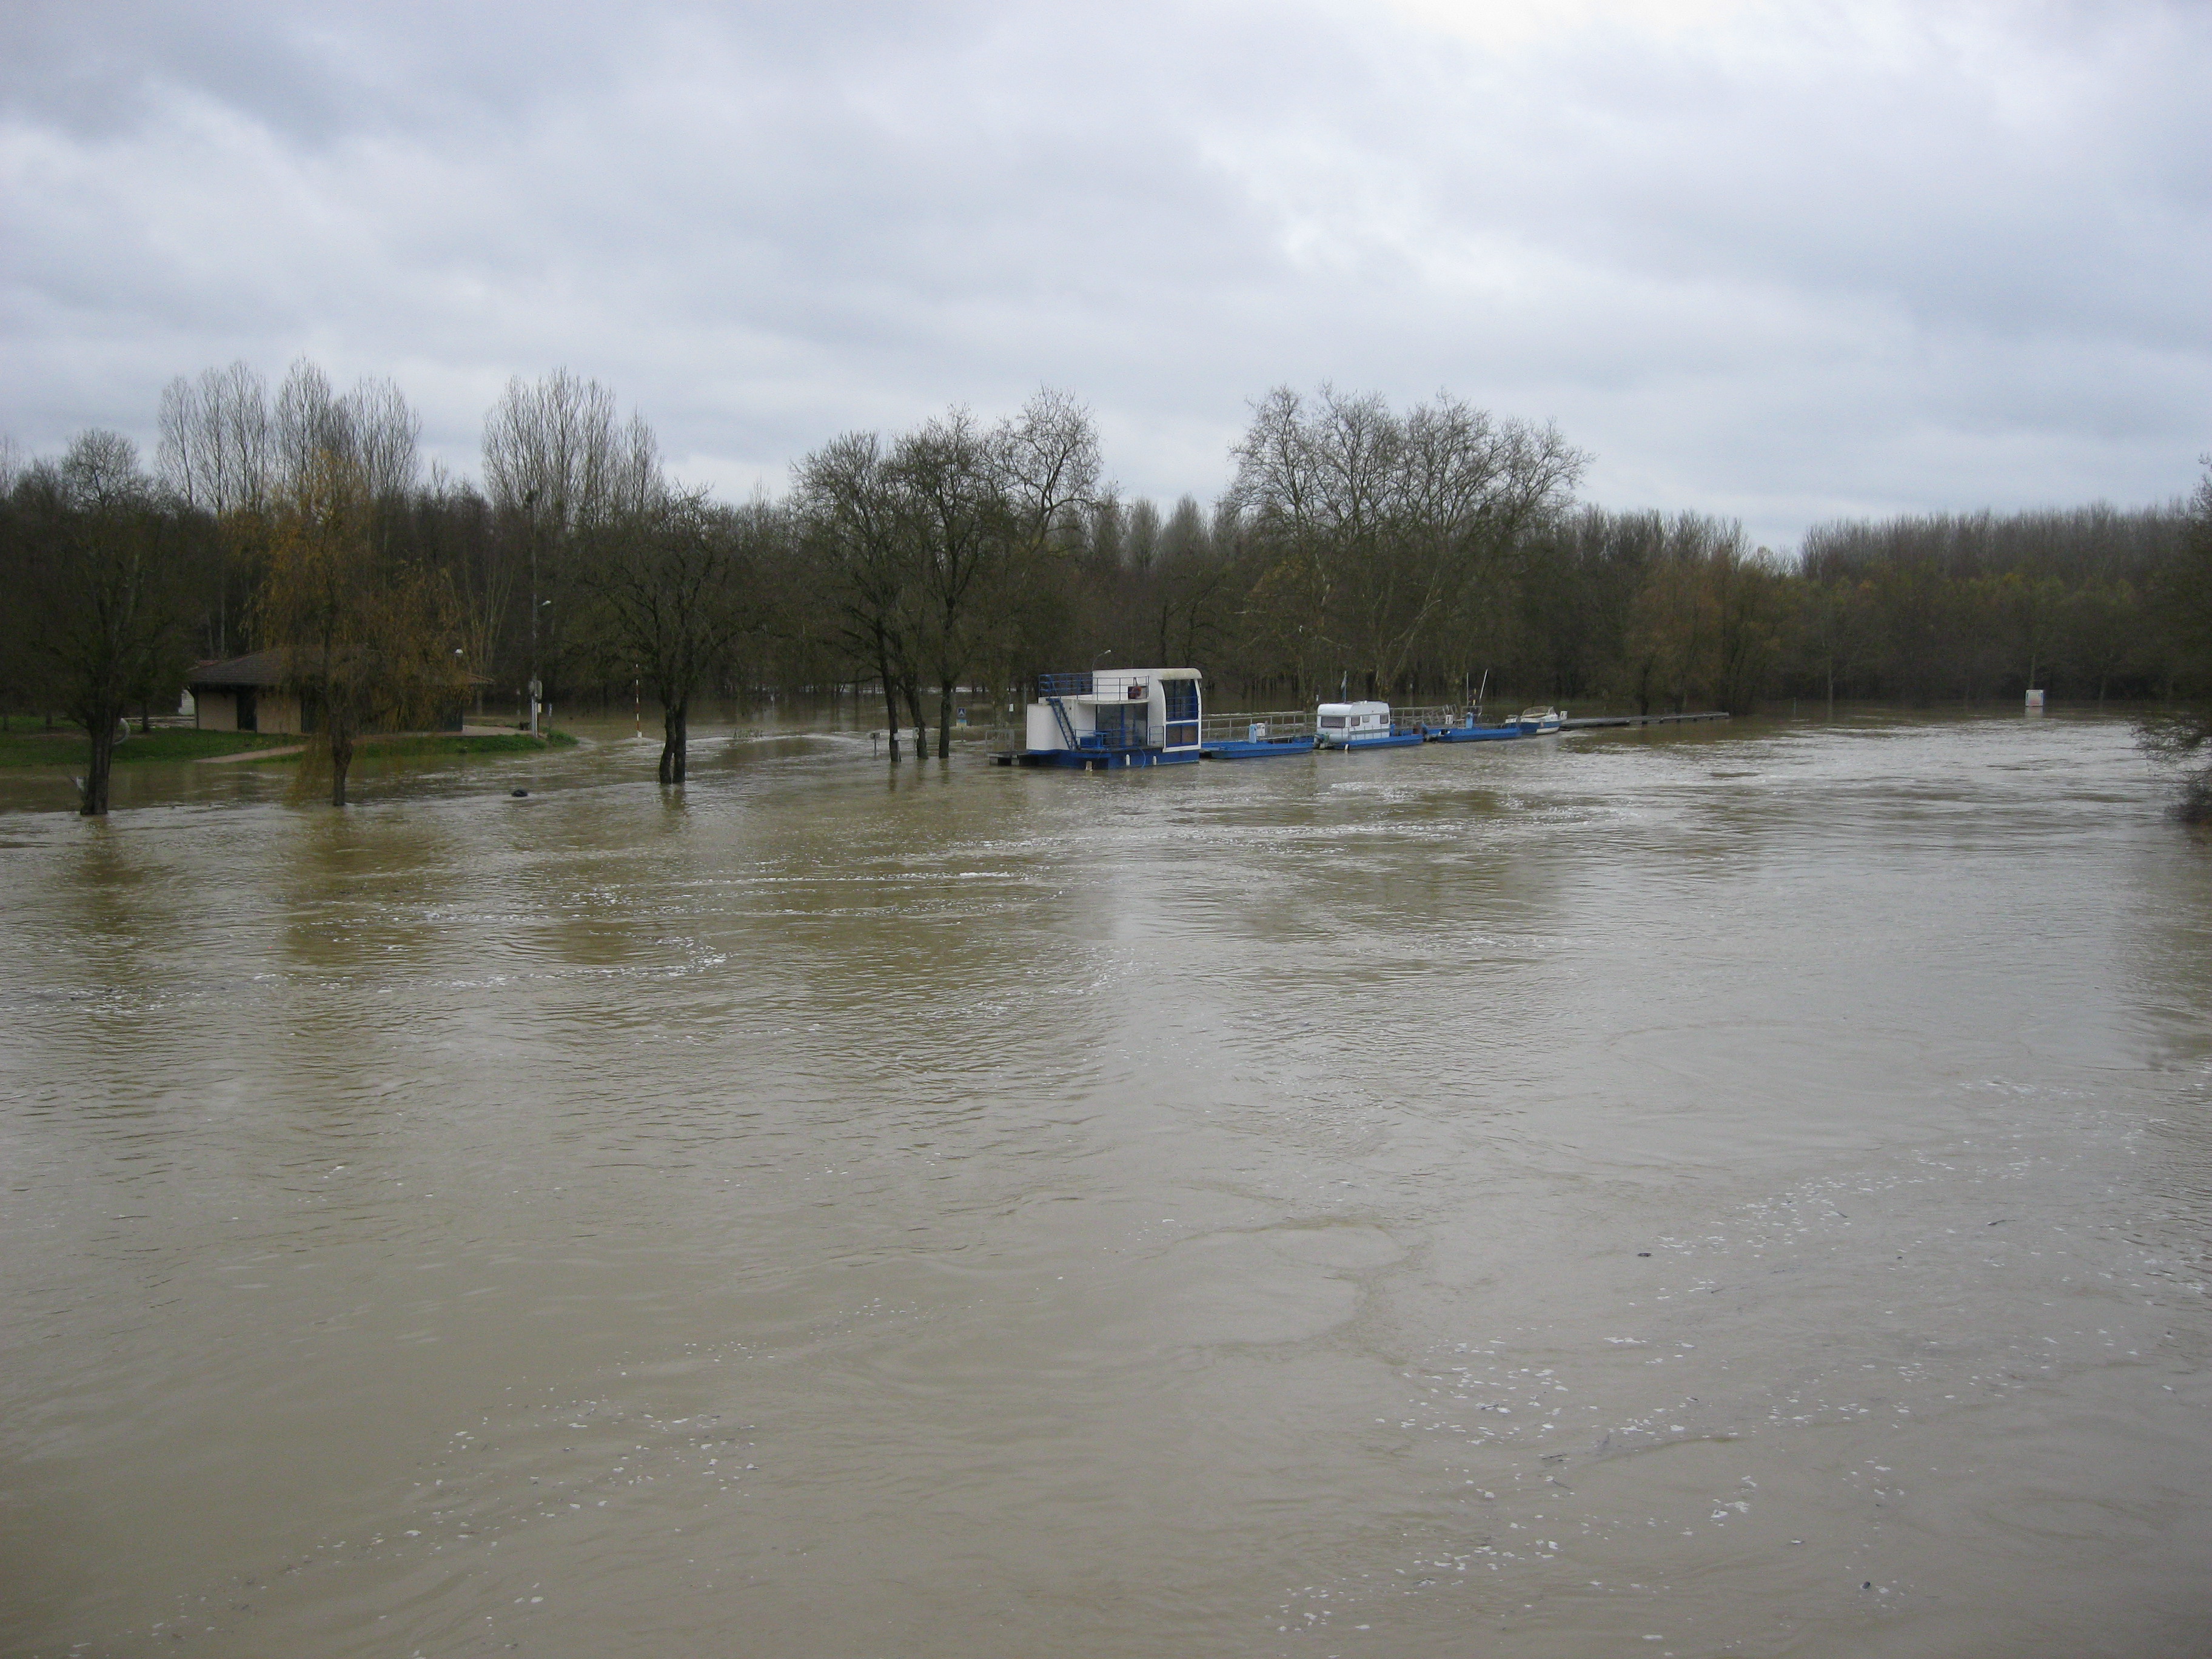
x: 1474, y: 733
x: 1101, y: 760
x: 1262, y: 749
x: 1395, y: 740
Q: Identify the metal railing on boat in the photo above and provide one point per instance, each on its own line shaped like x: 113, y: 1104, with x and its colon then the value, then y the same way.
x: 1219, y: 727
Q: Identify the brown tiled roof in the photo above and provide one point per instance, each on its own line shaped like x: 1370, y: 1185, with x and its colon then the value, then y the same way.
x: 259, y: 668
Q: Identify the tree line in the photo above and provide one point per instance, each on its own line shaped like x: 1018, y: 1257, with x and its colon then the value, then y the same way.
x: 1421, y: 554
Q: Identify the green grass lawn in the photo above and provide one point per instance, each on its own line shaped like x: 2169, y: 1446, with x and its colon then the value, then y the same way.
x: 72, y: 749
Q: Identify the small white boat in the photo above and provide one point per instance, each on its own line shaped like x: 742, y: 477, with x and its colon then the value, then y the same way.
x: 1534, y: 722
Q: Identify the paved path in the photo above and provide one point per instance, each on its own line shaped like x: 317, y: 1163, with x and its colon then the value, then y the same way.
x: 250, y: 755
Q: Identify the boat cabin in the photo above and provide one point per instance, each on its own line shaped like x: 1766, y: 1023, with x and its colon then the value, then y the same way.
x: 1113, y: 718
x: 1337, y: 724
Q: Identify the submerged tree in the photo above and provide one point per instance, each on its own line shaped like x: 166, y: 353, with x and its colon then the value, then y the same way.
x: 366, y: 637
x: 931, y: 545
x: 851, y: 525
x: 669, y: 573
x: 977, y: 510
x: 557, y: 461
x: 954, y: 530
x: 2183, y: 738
x: 103, y: 558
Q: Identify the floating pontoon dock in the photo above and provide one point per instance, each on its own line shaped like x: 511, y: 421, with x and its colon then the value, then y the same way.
x: 1106, y: 720
x: 1592, y: 722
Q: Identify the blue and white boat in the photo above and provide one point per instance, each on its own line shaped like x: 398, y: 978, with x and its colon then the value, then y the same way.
x: 1362, y: 726
x: 1539, y: 722
x: 1259, y: 743
x: 1107, y: 720
x: 1470, y: 730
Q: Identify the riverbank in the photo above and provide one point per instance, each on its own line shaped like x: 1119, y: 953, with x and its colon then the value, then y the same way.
x: 71, y: 750
x: 419, y: 746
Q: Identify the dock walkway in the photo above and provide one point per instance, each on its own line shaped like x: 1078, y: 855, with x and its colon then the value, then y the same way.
x: 1590, y: 722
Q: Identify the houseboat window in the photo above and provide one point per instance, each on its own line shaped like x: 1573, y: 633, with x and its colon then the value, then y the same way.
x: 1180, y: 697
x: 1121, y: 725
x: 1332, y: 722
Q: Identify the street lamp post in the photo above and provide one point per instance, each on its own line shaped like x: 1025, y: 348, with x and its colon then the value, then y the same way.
x: 536, y: 686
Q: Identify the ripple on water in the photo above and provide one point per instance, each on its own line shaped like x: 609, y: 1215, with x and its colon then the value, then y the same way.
x: 1698, y: 1190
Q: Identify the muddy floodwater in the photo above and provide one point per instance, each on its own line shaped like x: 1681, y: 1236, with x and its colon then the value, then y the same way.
x: 1736, y: 1191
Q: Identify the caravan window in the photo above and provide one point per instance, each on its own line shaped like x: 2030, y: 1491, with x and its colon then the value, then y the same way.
x: 1332, y: 722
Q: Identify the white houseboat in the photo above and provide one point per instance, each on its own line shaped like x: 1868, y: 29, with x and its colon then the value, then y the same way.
x: 1112, y: 718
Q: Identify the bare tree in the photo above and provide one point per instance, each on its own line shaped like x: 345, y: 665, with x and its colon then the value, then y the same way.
x: 1375, y: 524
x: 1142, y: 537
x: 926, y: 542
x: 978, y: 510
x: 557, y: 461
x: 106, y: 608
x: 311, y: 426
x: 215, y: 449
x: 383, y: 432
x: 851, y: 522
x: 954, y: 528
x: 216, y: 456
x: 366, y: 637
x: 2183, y: 738
x: 475, y: 559
x: 551, y: 447
x: 1190, y: 587
x: 1045, y: 463
x: 670, y: 573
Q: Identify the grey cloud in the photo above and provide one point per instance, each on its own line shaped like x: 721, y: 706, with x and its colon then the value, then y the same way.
x: 1859, y: 257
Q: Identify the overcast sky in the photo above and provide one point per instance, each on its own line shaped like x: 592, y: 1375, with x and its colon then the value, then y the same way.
x: 1782, y: 262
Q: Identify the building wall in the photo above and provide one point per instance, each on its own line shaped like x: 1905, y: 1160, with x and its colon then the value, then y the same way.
x: 216, y: 709
x: 1044, y: 729
x: 277, y: 711
x: 273, y: 710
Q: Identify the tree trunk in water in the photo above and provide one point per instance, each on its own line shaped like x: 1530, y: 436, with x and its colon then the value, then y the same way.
x: 93, y: 802
x: 341, y: 763
x: 920, y: 725
x: 675, y: 727
x: 944, y: 722
x: 891, y: 708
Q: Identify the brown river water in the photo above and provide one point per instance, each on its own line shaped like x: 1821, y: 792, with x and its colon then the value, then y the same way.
x: 1736, y: 1191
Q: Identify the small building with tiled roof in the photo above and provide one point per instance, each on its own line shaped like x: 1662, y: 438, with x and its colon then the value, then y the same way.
x: 248, y: 694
